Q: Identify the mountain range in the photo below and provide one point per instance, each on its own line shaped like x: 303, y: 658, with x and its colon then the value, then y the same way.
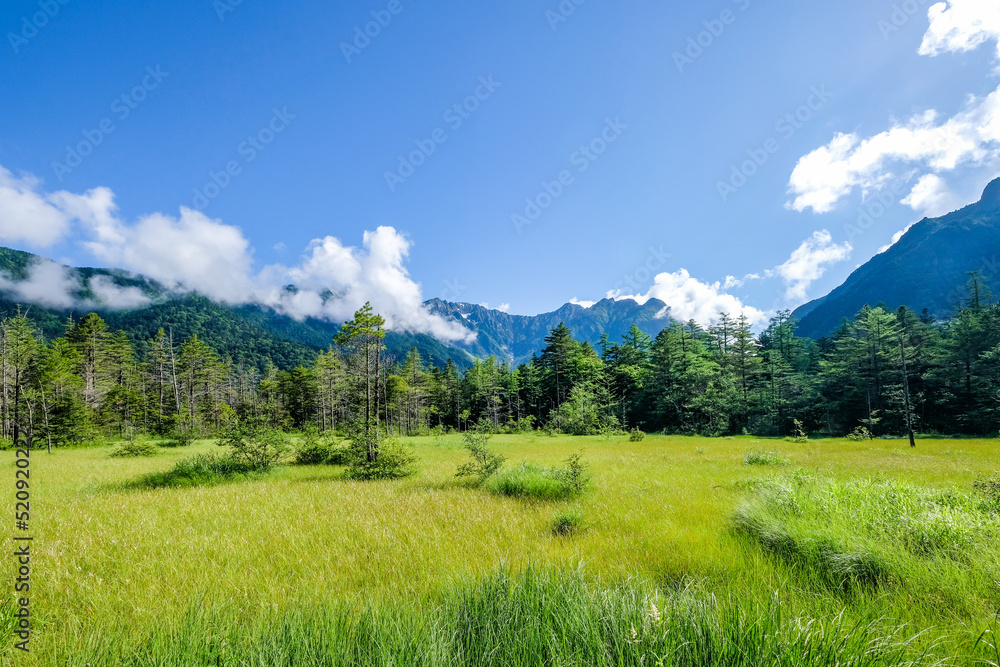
x: 926, y: 269
x: 252, y: 334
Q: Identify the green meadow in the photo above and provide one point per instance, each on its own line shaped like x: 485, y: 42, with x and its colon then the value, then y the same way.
x: 680, y: 551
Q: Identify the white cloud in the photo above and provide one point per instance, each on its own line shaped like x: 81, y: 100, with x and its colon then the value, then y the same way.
x: 688, y: 298
x: 192, y: 252
x: 961, y: 25
x: 110, y: 295
x: 808, y: 263
x: 48, y: 284
x: 926, y: 142
x: 28, y: 215
x: 504, y: 307
x: 54, y: 285
x: 582, y: 304
x: 374, y: 273
x: 895, y: 238
x: 931, y: 197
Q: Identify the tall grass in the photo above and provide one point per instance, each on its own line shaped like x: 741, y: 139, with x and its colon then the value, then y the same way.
x: 302, y: 567
x: 504, y: 620
x: 881, y: 533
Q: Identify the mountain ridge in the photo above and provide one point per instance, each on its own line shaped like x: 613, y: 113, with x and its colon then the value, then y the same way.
x: 927, y: 268
x: 250, y: 333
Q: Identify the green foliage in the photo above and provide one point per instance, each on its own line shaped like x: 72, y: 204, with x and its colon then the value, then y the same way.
x: 568, y: 522
x: 636, y: 435
x: 799, y: 431
x: 860, y: 434
x: 533, y: 482
x: 761, y: 458
x: 485, y: 462
x: 317, y: 448
x: 391, y: 461
x: 136, y: 448
x: 253, y: 444
x: 574, y: 474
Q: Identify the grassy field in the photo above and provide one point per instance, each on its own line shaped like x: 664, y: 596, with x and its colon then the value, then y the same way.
x: 688, y: 555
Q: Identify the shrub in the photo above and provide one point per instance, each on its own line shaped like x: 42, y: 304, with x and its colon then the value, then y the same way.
x: 574, y: 475
x: 764, y: 459
x: 485, y: 462
x: 134, y: 449
x: 531, y: 481
x: 568, y: 522
x: 859, y: 434
x: 390, y: 460
x: 253, y: 444
x: 800, y: 432
x: 636, y: 435
x: 203, y: 469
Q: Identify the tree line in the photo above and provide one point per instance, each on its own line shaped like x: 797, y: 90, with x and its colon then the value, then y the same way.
x: 882, y: 373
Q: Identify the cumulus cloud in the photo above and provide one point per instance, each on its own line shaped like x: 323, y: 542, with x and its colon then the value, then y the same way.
x: 809, y: 262
x: 688, y: 298
x: 28, y: 215
x: 582, y: 304
x: 374, y: 273
x: 192, y: 252
x: 926, y: 142
x: 932, y: 197
x: 961, y: 25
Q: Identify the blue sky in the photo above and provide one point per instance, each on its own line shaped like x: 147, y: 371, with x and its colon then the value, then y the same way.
x: 618, y: 100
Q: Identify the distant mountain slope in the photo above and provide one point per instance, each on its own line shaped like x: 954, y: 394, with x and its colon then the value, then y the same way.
x: 248, y: 334
x: 517, y: 337
x: 926, y: 268
x: 252, y: 334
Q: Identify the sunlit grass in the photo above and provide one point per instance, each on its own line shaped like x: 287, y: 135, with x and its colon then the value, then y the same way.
x: 114, y: 562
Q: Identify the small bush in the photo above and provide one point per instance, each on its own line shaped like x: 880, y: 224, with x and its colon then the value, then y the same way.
x: 134, y: 449
x: 201, y: 470
x: 859, y: 434
x: 569, y: 522
x: 485, y: 462
x: 253, y: 444
x: 391, y: 459
x: 636, y: 435
x: 531, y: 481
x: 764, y: 459
x: 574, y: 475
